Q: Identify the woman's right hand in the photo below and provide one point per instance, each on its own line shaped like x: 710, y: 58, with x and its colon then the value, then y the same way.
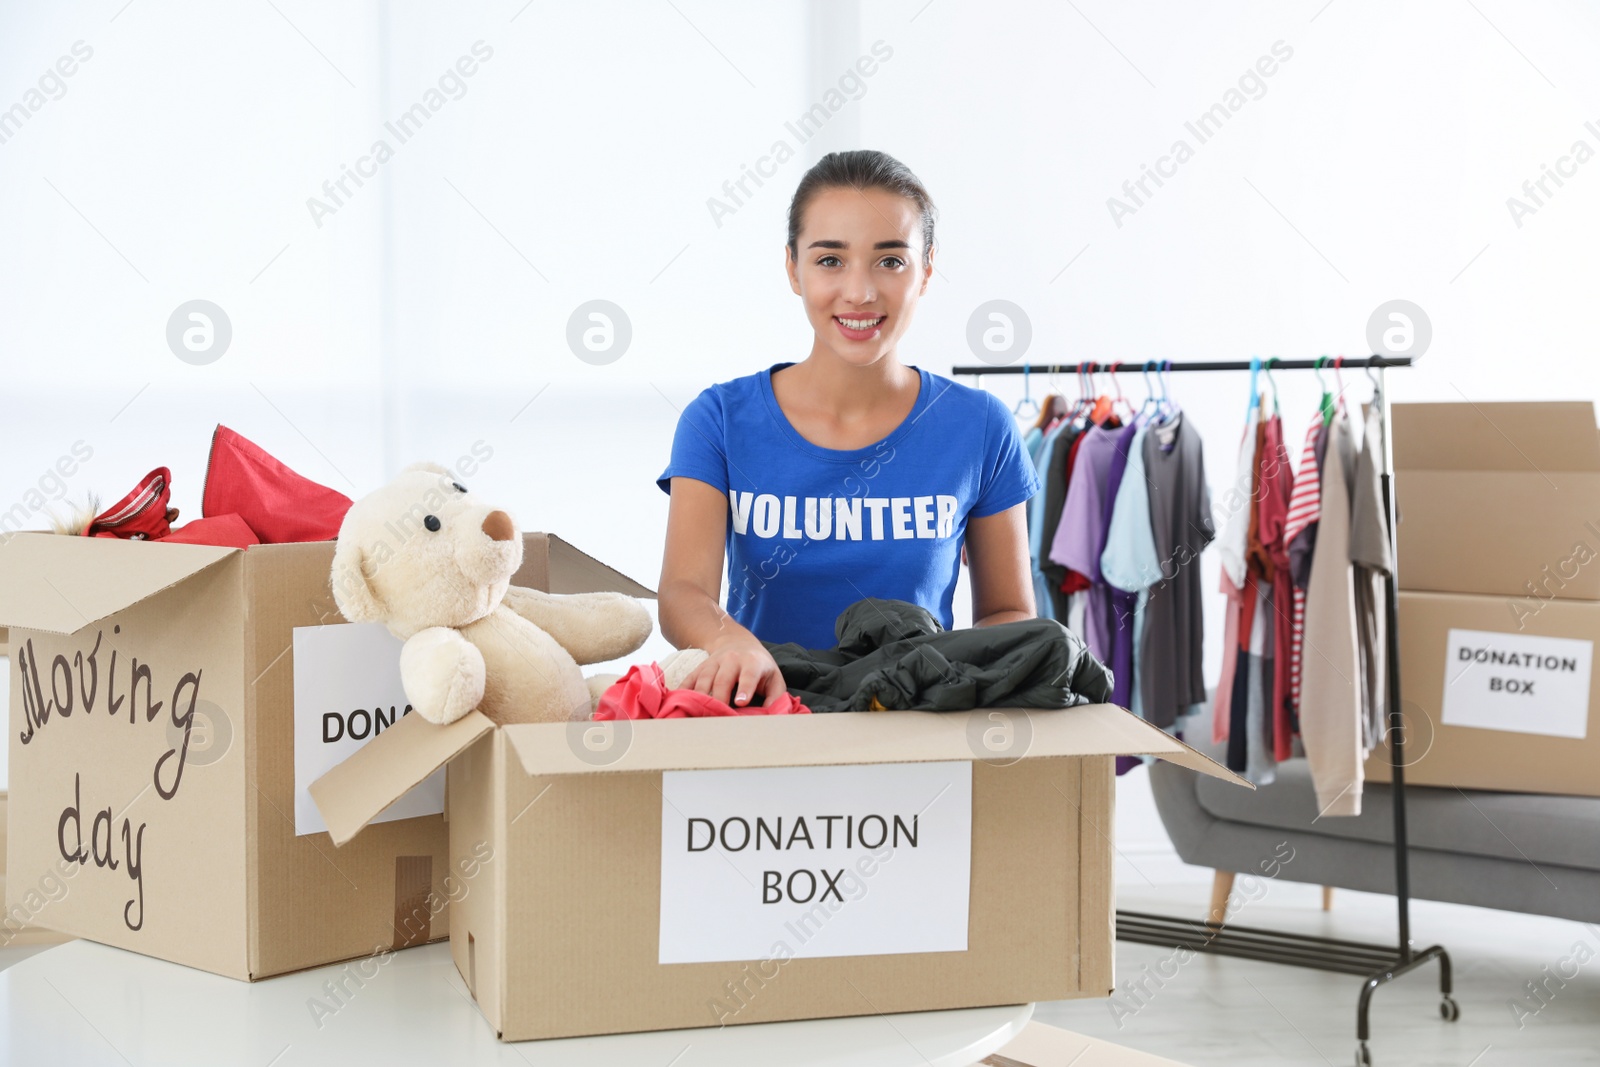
x: 738, y: 669
x: 739, y: 672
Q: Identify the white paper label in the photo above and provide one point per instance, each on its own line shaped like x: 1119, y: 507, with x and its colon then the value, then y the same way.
x: 1517, y: 682
x: 346, y: 691
x: 802, y: 862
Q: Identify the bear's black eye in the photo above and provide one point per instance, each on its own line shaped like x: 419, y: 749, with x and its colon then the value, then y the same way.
x: 459, y: 487
x: 432, y: 523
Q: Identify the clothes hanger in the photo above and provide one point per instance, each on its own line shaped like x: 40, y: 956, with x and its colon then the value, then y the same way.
x: 1338, y: 379
x: 1121, y: 398
x: 1167, y: 409
x: 1061, y: 407
x: 1048, y: 413
x: 1272, y: 362
x: 1325, y: 405
x: 1085, y: 390
x: 1049, y: 409
x: 1075, y: 405
x: 1372, y: 361
x: 1027, y: 394
x: 1377, y: 387
x: 1149, y: 392
x: 1101, y: 409
x: 1055, y: 386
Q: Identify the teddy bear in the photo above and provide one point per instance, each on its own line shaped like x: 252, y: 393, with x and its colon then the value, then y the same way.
x: 433, y: 563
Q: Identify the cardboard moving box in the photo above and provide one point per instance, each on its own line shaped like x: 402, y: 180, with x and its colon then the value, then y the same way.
x: 1496, y: 697
x: 157, y: 721
x: 663, y: 874
x: 1499, y: 499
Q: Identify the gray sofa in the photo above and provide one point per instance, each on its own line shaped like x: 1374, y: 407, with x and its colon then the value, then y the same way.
x: 1512, y: 851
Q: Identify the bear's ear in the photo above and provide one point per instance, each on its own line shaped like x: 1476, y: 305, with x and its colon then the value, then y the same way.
x: 431, y: 468
x: 351, y: 590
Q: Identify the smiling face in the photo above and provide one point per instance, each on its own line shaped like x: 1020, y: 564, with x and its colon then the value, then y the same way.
x: 860, y: 270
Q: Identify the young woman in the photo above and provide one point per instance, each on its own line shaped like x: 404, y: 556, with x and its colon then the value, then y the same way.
x: 849, y: 474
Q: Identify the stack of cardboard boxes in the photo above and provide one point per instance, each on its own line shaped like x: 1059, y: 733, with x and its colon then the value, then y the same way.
x: 173, y: 704
x: 1499, y: 567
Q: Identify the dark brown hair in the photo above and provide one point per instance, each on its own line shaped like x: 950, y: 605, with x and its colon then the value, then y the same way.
x: 860, y: 169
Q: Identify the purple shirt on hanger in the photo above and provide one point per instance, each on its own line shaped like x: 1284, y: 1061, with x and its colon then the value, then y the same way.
x: 1122, y: 604
x: 1081, y: 535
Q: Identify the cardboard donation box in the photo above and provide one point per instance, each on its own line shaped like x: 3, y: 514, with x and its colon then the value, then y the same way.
x: 170, y: 705
x: 1496, y: 696
x: 1039, y: 1045
x: 1499, y: 499
x: 661, y: 874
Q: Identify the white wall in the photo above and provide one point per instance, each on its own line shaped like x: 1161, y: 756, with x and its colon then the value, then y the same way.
x: 429, y: 311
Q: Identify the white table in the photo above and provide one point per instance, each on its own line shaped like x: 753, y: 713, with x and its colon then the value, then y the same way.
x: 84, y: 1003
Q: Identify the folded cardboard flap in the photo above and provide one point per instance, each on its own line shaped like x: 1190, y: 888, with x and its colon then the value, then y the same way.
x: 384, y: 769
x: 854, y: 738
x: 1557, y: 435
x: 573, y: 570
x: 61, y: 584
x: 1539, y: 465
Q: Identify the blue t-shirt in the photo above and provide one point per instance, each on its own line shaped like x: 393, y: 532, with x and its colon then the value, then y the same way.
x: 811, y: 530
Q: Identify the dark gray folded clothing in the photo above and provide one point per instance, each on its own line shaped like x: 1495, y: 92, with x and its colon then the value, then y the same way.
x: 897, y: 654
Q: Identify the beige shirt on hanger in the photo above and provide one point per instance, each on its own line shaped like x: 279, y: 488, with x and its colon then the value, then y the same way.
x: 1330, y: 690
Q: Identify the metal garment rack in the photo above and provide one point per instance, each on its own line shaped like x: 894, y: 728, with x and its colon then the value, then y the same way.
x: 1379, y: 963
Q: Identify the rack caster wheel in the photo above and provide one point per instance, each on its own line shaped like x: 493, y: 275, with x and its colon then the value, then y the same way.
x: 1363, y: 1057
x: 1449, y: 1010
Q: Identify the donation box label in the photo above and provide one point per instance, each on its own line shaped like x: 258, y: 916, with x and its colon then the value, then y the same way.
x: 803, y: 862
x: 347, y: 690
x: 1517, y: 682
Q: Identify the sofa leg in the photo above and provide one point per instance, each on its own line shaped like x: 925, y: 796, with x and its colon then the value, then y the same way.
x: 1221, y: 889
x: 1327, y: 898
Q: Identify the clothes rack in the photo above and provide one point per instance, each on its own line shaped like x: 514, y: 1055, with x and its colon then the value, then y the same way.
x: 1379, y: 963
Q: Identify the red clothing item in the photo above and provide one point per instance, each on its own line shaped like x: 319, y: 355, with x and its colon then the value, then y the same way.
x: 227, y: 530
x: 642, y: 693
x: 249, y: 498
x: 142, y: 515
x: 276, y: 503
x: 1305, y: 512
x: 1277, y: 485
x: 1075, y: 582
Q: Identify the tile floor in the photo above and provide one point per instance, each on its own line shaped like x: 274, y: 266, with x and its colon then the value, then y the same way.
x: 1219, y: 1010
